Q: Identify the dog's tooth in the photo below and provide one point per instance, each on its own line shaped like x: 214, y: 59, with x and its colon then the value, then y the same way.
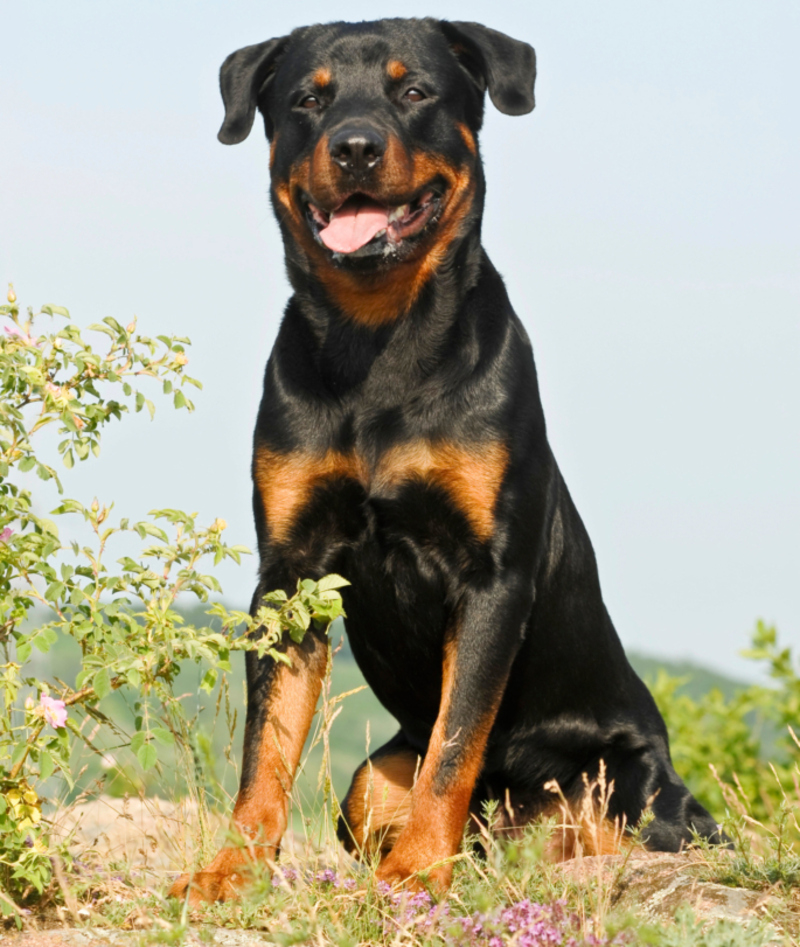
x: 398, y: 212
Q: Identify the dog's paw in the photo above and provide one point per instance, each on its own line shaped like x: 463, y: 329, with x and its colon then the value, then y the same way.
x: 225, y: 879
x: 415, y: 874
x: 205, y: 886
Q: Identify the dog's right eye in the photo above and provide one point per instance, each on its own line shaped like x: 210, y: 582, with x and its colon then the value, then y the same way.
x: 310, y: 102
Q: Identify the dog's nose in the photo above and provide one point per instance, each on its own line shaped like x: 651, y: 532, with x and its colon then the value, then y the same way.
x: 356, y: 149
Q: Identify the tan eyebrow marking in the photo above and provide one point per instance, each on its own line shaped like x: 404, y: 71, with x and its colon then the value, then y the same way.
x: 322, y: 77
x: 396, y: 69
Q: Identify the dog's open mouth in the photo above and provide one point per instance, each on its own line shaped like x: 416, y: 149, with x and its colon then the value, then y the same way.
x: 361, y: 226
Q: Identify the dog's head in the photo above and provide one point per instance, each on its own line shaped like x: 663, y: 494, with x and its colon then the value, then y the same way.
x: 374, y: 158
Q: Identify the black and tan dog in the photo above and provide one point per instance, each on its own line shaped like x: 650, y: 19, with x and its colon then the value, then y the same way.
x: 401, y: 443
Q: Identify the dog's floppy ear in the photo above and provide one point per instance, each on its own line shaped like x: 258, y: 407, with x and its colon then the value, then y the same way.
x: 507, y: 66
x: 240, y: 80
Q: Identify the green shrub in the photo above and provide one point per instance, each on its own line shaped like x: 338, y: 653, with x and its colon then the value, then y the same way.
x: 742, y: 747
x: 121, y: 613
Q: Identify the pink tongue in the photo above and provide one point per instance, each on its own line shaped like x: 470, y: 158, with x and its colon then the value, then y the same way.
x: 354, y: 225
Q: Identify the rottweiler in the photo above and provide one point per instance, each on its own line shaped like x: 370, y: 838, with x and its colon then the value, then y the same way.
x: 401, y: 442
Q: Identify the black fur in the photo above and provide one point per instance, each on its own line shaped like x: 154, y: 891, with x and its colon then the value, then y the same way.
x: 523, y: 605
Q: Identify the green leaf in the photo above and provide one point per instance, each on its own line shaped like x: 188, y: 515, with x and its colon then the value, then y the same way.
x: 102, y: 683
x: 147, y: 756
x: 46, y: 765
x: 332, y: 581
x: 54, y: 591
x: 150, y: 529
x: 19, y: 751
x: 68, y: 506
x: 27, y: 463
x: 69, y: 460
x: 138, y: 740
x: 45, y: 640
x: 180, y: 399
x: 209, y: 680
x: 110, y: 321
x: 55, y: 310
x: 164, y: 737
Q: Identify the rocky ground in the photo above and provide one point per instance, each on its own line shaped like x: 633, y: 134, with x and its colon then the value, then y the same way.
x: 157, y: 836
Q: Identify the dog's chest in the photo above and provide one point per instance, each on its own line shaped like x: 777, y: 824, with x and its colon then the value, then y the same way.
x: 449, y: 479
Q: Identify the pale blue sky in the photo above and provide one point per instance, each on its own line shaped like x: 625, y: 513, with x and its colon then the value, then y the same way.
x: 645, y: 217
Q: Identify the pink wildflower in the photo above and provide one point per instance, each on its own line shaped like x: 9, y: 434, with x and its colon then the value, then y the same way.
x: 17, y: 332
x: 6, y: 534
x: 53, y: 711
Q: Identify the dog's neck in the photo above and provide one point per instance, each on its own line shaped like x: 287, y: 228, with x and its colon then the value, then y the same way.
x: 416, y: 341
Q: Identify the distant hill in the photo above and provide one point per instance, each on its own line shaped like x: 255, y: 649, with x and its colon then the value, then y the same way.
x: 362, y: 725
x: 700, y: 679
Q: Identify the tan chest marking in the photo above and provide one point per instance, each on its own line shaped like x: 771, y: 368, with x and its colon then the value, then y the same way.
x: 286, y: 482
x: 471, y: 475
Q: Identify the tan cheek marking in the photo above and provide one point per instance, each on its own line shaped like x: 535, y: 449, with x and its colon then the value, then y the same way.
x: 272, y: 149
x: 469, y: 138
x: 471, y: 475
x: 395, y: 69
x: 375, y: 301
x: 286, y: 482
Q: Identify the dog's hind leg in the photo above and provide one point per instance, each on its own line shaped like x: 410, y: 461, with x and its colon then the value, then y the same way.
x: 378, y: 803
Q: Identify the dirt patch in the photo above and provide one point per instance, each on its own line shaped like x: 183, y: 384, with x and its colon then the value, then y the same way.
x: 149, y: 834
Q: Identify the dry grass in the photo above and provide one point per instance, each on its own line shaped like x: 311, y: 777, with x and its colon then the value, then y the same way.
x: 121, y: 854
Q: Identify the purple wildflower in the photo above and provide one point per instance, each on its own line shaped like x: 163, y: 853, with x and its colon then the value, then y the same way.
x: 328, y: 876
x: 284, y: 876
x: 525, y: 923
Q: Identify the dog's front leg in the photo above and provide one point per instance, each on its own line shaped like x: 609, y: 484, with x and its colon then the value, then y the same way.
x: 280, y: 706
x: 478, y: 654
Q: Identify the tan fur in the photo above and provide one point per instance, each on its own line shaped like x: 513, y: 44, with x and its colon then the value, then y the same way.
x: 379, y: 802
x: 395, y: 69
x: 322, y: 77
x: 439, y: 814
x: 286, y: 481
x: 260, y: 813
x: 374, y: 299
x: 471, y: 475
x: 469, y: 138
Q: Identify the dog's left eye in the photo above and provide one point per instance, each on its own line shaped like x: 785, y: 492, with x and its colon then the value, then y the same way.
x: 310, y: 102
x: 414, y: 95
